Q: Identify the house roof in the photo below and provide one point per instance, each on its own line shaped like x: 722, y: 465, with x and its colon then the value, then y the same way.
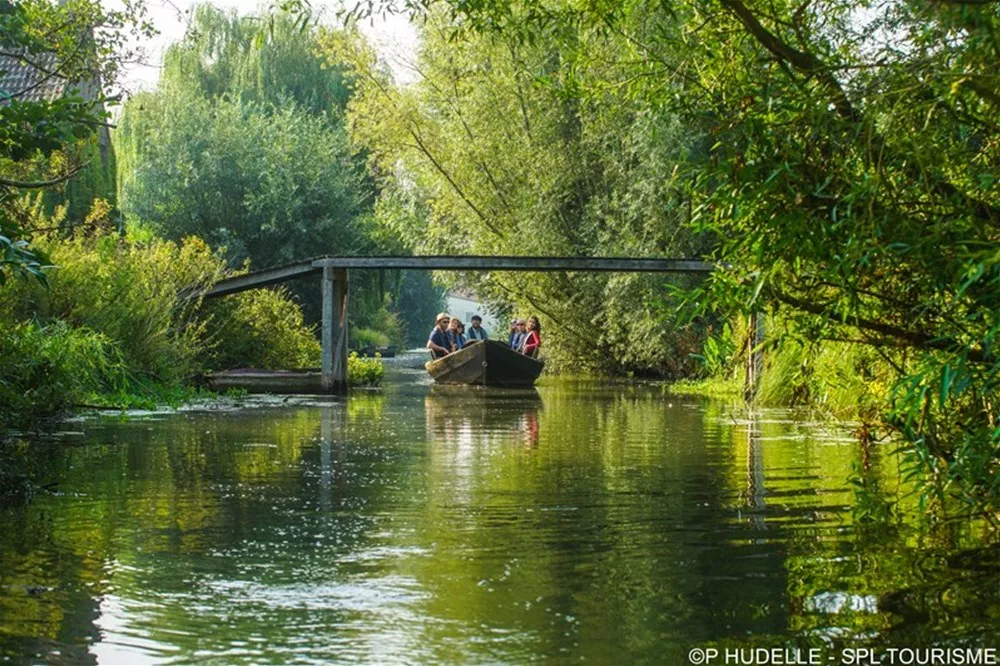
x: 36, y: 81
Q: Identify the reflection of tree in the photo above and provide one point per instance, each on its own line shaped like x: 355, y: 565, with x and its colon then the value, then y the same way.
x: 557, y: 543
x: 425, y: 526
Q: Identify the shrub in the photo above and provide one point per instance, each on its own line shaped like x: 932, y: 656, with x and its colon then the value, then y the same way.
x: 364, y: 371
x: 127, y: 290
x: 366, y: 337
x: 260, y: 329
x: 45, y: 370
x: 118, y: 325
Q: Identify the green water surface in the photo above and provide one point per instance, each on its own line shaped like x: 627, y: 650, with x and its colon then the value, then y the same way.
x: 577, y: 523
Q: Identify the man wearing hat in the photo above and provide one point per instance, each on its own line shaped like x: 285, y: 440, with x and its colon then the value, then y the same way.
x: 438, y: 340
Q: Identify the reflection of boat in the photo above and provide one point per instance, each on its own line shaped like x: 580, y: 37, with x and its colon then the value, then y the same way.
x: 460, y: 414
x: 488, y: 363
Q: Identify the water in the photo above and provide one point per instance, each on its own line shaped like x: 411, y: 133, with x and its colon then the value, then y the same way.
x: 579, y: 523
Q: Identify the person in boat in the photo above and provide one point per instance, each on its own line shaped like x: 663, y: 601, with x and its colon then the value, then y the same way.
x: 439, y: 342
x: 532, y: 338
x: 517, y: 339
x: 476, y: 330
x: 512, y: 333
x: 455, y: 338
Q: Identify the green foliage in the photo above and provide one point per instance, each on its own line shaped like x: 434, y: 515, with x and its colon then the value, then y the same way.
x: 363, y: 371
x: 718, y: 351
x: 47, y: 369
x: 848, y: 186
x: 72, y: 44
x: 17, y: 259
x: 366, y: 337
x: 243, y: 144
x: 127, y: 291
x: 259, y: 329
x: 419, y: 298
x: 268, y: 59
x: 120, y: 315
x: 511, y: 158
x: 268, y: 185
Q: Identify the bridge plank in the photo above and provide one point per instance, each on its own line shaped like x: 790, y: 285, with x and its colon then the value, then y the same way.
x: 261, y: 278
x: 269, y: 276
x: 495, y: 263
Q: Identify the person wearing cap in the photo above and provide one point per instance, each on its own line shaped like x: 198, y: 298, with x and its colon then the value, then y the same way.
x: 438, y: 342
x: 513, y: 333
x: 476, y: 331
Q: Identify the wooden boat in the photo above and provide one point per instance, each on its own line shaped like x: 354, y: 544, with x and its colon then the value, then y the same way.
x: 488, y: 363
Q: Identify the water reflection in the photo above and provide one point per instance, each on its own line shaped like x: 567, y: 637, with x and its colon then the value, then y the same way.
x: 473, y: 415
x: 579, y: 522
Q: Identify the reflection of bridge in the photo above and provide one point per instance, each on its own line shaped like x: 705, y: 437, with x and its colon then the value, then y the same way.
x: 334, y: 272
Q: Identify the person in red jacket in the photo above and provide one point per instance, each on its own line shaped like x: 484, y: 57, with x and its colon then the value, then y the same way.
x: 533, y: 338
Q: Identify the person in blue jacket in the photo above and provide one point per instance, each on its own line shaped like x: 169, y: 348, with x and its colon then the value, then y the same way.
x: 456, y: 334
x: 438, y: 342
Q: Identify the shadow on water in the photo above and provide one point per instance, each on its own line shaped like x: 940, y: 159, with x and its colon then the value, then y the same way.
x: 426, y: 524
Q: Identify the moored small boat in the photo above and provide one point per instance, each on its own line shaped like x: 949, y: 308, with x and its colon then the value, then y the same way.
x: 488, y: 363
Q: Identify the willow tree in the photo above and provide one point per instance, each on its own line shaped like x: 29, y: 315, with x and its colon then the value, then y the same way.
x: 511, y: 156
x: 243, y: 143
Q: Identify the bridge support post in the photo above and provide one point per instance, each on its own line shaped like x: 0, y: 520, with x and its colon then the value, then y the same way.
x: 334, y: 375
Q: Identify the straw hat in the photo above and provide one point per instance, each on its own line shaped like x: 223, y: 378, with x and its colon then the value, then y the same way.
x: 441, y: 315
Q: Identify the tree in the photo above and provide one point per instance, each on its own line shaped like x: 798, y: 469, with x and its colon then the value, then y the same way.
x: 512, y: 157
x: 850, y: 186
x: 50, y: 53
x: 242, y: 144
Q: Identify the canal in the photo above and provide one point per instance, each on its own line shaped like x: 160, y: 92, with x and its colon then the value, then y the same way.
x: 583, y: 522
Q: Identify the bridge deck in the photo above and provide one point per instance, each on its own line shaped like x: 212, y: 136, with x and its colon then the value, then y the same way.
x: 269, y: 276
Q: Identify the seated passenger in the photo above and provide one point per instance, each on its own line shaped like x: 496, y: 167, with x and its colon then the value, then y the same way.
x: 455, y: 338
x: 438, y: 342
x: 533, y: 338
x: 517, y: 338
x: 476, y: 330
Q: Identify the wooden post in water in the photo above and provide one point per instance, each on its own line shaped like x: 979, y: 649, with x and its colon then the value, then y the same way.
x: 755, y: 355
x: 334, y: 376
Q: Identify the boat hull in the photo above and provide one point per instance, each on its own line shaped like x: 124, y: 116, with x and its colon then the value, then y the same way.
x: 488, y: 363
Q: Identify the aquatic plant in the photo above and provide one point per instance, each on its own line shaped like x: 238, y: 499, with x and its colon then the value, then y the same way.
x: 363, y: 371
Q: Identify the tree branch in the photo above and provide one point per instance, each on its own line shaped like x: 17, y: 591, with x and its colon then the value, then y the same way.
x: 39, y: 184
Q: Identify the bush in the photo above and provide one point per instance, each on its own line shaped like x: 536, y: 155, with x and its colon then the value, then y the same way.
x: 45, y: 370
x: 127, y: 290
x: 364, y: 371
x: 118, y: 324
x: 367, y: 337
x: 259, y: 329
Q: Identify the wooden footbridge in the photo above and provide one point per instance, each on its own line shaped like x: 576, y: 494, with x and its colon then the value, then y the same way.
x: 334, y: 275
